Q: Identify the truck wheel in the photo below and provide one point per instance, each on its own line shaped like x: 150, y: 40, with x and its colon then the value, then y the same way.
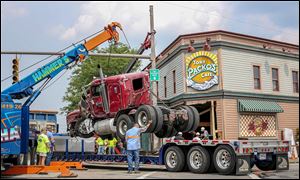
x: 186, y: 125
x: 142, y: 116
x: 224, y: 159
x: 174, y: 159
x: 159, y: 119
x: 85, y: 127
x: 124, y: 122
x: 266, y: 165
x: 198, y: 159
x: 196, y: 118
x: 170, y: 131
x: 162, y: 132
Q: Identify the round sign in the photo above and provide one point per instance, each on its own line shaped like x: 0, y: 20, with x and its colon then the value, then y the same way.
x: 202, y: 70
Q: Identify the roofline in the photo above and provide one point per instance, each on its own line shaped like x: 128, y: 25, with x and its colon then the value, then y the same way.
x: 224, y: 32
x: 44, y: 111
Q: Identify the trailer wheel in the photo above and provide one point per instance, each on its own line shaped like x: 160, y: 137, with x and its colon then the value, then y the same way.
x: 198, y: 159
x: 142, y: 116
x: 186, y: 125
x: 85, y: 127
x: 174, y: 159
x: 159, y: 119
x: 224, y: 159
x: 196, y: 118
x: 124, y: 122
x: 266, y: 165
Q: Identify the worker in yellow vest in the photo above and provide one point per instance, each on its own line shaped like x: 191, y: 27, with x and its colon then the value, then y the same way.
x: 111, y: 145
x: 105, y: 146
x: 43, y: 147
x: 100, y: 144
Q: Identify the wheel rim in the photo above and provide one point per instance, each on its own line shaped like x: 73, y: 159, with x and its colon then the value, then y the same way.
x: 86, y: 126
x: 142, y: 119
x: 196, y: 160
x: 223, y: 159
x: 171, y: 159
x: 123, y: 127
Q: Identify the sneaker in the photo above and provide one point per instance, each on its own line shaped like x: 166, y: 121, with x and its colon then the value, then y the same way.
x: 129, y: 172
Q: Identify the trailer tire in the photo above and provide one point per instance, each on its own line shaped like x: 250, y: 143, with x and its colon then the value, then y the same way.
x: 194, y: 156
x: 124, y: 122
x: 159, y: 119
x: 196, y: 118
x: 169, y: 131
x: 266, y: 165
x: 224, y: 159
x: 142, y: 116
x: 174, y: 159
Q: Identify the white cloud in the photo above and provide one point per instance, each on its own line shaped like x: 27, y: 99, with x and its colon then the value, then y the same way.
x: 288, y: 35
x: 177, y: 17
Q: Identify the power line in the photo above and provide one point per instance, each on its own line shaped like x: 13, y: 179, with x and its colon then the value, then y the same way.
x: 229, y: 18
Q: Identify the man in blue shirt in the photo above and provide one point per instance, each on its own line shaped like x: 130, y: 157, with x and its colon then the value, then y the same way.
x: 133, y: 146
x: 52, y: 142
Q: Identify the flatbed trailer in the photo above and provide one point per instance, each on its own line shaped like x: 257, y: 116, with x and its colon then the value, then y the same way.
x: 222, y: 156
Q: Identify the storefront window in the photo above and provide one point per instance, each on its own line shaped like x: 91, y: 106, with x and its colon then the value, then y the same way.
x: 41, y: 116
x: 51, y: 117
x: 295, y: 82
x: 275, y: 79
x: 256, y: 74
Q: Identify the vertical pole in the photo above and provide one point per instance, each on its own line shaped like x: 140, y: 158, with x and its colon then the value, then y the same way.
x: 25, y: 132
x: 212, y: 119
x: 153, y: 65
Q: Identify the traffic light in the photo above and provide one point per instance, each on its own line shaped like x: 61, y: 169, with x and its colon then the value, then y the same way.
x: 15, y: 72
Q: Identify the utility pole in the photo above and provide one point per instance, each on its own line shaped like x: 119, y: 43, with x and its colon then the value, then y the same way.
x: 153, y: 63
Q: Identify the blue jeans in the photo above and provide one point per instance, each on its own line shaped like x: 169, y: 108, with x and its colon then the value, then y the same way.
x: 111, y: 150
x: 48, y: 158
x: 130, y: 155
x: 101, y: 150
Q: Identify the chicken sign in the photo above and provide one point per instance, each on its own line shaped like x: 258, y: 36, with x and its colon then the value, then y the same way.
x: 201, y: 70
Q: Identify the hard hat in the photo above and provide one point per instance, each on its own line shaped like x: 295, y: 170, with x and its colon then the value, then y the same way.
x: 179, y: 133
x: 197, y: 134
x: 202, y: 128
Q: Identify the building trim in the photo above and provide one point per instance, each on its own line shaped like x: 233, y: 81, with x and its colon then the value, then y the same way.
x: 225, y: 44
x: 229, y: 95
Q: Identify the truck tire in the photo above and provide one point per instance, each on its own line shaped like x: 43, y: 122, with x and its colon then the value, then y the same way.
x: 170, y: 131
x: 174, y: 159
x: 83, y: 129
x: 224, y: 159
x: 266, y: 165
x: 159, y: 119
x: 162, y: 132
x: 173, y: 132
x: 124, y: 122
x: 142, y: 116
x: 185, y: 126
x: 196, y: 118
x: 198, y: 159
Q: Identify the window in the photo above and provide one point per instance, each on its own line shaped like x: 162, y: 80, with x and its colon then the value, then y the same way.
x: 31, y: 116
x: 96, y: 90
x: 256, y: 75
x: 174, y: 82
x: 295, y: 81
x: 51, y: 117
x: 41, y: 116
x: 275, y: 79
x: 165, y: 85
x: 137, y: 84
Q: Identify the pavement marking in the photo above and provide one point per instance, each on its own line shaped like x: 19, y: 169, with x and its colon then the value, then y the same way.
x: 253, y: 176
x: 146, y: 175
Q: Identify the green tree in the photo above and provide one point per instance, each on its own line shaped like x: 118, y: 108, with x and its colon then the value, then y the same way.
x: 85, y: 72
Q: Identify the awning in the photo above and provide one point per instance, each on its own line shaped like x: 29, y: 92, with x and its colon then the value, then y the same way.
x: 258, y: 106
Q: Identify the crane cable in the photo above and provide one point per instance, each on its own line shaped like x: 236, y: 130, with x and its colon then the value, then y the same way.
x: 52, y: 55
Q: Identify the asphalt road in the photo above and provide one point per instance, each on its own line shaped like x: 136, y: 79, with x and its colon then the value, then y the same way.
x: 104, y: 171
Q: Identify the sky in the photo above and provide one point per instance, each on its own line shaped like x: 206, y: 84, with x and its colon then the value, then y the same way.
x: 52, y: 26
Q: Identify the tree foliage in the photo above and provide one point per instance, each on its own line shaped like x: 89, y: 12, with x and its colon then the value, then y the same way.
x: 85, y: 72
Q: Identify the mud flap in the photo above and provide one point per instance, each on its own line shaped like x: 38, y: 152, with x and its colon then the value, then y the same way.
x: 242, y: 165
x: 282, y: 162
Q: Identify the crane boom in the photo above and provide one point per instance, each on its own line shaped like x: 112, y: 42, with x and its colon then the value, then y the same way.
x: 15, y: 121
